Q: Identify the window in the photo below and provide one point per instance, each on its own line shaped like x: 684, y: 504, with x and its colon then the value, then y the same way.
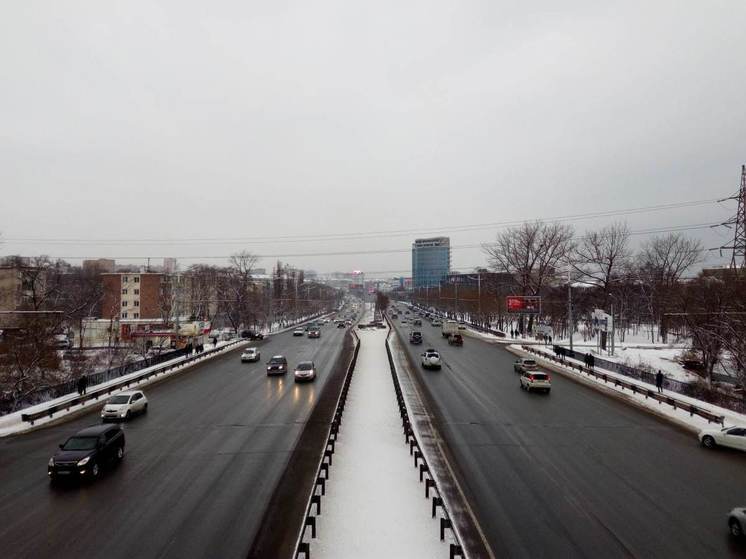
x: 137, y: 303
x: 137, y: 291
x: 136, y: 315
x: 124, y: 315
x: 124, y: 303
x: 137, y: 279
x: 125, y: 279
x: 124, y: 291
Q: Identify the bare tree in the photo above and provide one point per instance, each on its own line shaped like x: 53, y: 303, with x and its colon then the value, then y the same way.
x: 603, y: 258
x: 239, y: 288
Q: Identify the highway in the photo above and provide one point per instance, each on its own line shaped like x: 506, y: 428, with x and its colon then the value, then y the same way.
x: 574, y: 473
x: 198, y: 471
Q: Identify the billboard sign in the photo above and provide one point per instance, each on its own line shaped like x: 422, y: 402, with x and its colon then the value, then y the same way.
x: 523, y: 304
x: 601, y: 321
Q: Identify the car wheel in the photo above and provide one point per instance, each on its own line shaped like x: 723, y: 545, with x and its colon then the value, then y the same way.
x: 709, y: 442
x: 120, y: 453
x: 548, y: 390
x: 127, y: 415
x: 528, y: 388
x: 94, y: 470
x: 735, y: 528
x: 145, y: 408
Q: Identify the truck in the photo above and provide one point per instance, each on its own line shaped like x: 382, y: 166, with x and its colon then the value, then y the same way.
x: 449, y: 328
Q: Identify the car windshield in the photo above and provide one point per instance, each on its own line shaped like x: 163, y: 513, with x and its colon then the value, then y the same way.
x: 529, y: 362
x: 306, y: 366
x: 277, y: 360
x: 119, y: 399
x: 80, y: 443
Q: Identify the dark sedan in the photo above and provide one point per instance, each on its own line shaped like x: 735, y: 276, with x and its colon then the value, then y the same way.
x: 84, y: 454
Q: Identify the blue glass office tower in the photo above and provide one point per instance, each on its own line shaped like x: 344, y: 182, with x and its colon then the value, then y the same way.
x: 431, y: 261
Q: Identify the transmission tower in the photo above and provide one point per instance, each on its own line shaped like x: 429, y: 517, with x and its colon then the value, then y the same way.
x: 738, y: 258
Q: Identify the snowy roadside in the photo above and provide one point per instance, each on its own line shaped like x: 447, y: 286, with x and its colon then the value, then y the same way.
x: 374, y: 504
x: 678, y: 416
x: 12, y: 423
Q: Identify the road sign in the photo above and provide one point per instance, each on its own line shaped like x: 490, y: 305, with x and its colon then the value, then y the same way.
x: 523, y: 304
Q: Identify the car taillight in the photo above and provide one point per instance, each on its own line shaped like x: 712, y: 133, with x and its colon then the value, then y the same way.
x: 549, y: 378
x: 531, y: 377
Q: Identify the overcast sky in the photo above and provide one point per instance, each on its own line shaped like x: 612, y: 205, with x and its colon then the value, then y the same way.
x: 176, y: 120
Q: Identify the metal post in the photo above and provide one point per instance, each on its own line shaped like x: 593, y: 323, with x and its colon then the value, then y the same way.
x: 569, y: 306
x: 613, y: 320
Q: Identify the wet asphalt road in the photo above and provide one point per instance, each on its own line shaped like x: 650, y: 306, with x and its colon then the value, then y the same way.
x: 575, y: 473
x: 198, y: 471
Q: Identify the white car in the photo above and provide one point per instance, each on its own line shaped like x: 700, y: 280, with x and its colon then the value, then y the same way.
x: 734, y: 437
x: 535, y: 380
x: 306, y: 370
x: 124, y: 405
x: 736, y: 521
x: 431, y: 359
x: 250, y: 355
x: 298, y: 332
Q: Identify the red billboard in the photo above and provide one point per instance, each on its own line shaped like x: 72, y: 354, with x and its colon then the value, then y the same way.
x: 525, y: 304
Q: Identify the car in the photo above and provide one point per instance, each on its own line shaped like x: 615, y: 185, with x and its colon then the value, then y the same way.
x: 404, y: 321
x: 455, y: 339
x: 733, y: 437
x: 417, y: 322
x: 525, y: 364
x: 124, y: 405
x: 298, y: 332
x: 736, y: 521
x: 250, y: 355
x: 341, y: 324
x: 431, y: 359
x: 461, y: 327
x: 536, y: 380
x: 251, y: 335
x: 348, y: 323
x: 277, y: 365
x: 314, y: 333
x: 415, y: 338
x: 437, y: 322
x: 84, y: 454
x: 306, y: 370
x: 362, y: 326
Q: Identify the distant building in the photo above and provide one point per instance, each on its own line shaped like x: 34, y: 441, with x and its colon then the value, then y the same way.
x: 431, y: 261
x: 136, y: 295
x: 100, y: 264
x: 169, y: 265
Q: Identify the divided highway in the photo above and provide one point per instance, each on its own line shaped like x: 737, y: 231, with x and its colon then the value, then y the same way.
x: 198, y: 471
x: 574, y: 473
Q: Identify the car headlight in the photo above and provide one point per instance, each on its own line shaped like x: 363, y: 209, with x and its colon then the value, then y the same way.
x: 84, y: 461
x: 51, y: 462
x: 123, y: 413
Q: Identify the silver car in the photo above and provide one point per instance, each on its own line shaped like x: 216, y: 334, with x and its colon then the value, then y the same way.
x: 124, y: 405
x: 250, y: 355
x: 306, y: 370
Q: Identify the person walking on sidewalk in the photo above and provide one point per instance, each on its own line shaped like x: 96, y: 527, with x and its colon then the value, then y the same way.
x: 659, y: 381
x: 82, y: 384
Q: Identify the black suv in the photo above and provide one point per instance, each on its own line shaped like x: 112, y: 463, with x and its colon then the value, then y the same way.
x: 277, y: 365
x: 415, y: 338
x: 251, y: 335
x: 85, y: 453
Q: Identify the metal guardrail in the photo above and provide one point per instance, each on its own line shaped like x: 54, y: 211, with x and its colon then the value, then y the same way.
x: 97, y: 393
x: 418, y: 455
x: 676, y: 403
x: 319, y: 486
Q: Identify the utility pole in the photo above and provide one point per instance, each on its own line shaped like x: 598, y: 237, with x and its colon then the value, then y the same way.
x: 612, y: 329
x: 569, y: 306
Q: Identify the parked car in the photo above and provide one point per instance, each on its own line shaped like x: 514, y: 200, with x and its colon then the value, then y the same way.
x: 736, y: 521
x: 251, y: 335
x: 733, y: 437
x: 341, y: 324
x: 124, y: 405
x: 415, y: 338
x: 84, y: 454
x: 306, y: 370
x: 431, y: 359
x: 314, y: 333
x: 298, y: 332
x: 525, y: 364
x: 250, y: 355
x: 536, y: 380
x: 455, y: 339
x: 277, y: 365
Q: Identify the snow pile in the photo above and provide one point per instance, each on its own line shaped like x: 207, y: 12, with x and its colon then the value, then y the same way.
x: 374, y: 505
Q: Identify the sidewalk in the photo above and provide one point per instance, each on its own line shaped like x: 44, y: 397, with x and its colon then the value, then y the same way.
x: 375, y: 506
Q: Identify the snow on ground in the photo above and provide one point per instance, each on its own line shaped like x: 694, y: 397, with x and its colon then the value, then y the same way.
x: 663, y: 358
x: 677, y: 415
x: 375, y: 505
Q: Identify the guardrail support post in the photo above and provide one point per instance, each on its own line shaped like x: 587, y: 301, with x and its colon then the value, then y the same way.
x: 311, y: 521
x: 437, y: 502
x: 428, y: 484
x: 444, y: 523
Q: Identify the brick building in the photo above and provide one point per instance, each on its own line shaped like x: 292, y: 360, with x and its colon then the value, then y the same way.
x: 136, y: 295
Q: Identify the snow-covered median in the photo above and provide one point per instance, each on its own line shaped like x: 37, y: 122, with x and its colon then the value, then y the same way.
x: 374, y: 505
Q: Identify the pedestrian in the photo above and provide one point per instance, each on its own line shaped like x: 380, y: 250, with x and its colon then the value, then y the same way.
x: 659, y: 381
x: 80, y: 386
x: 550, y: 340
x: 591, y: 360
x: 84, y: 383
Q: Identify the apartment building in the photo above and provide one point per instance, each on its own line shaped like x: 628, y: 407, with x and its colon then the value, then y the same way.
x: 136, y: 295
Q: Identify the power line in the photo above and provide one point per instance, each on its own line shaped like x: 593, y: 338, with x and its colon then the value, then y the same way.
x: 361, y: 235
